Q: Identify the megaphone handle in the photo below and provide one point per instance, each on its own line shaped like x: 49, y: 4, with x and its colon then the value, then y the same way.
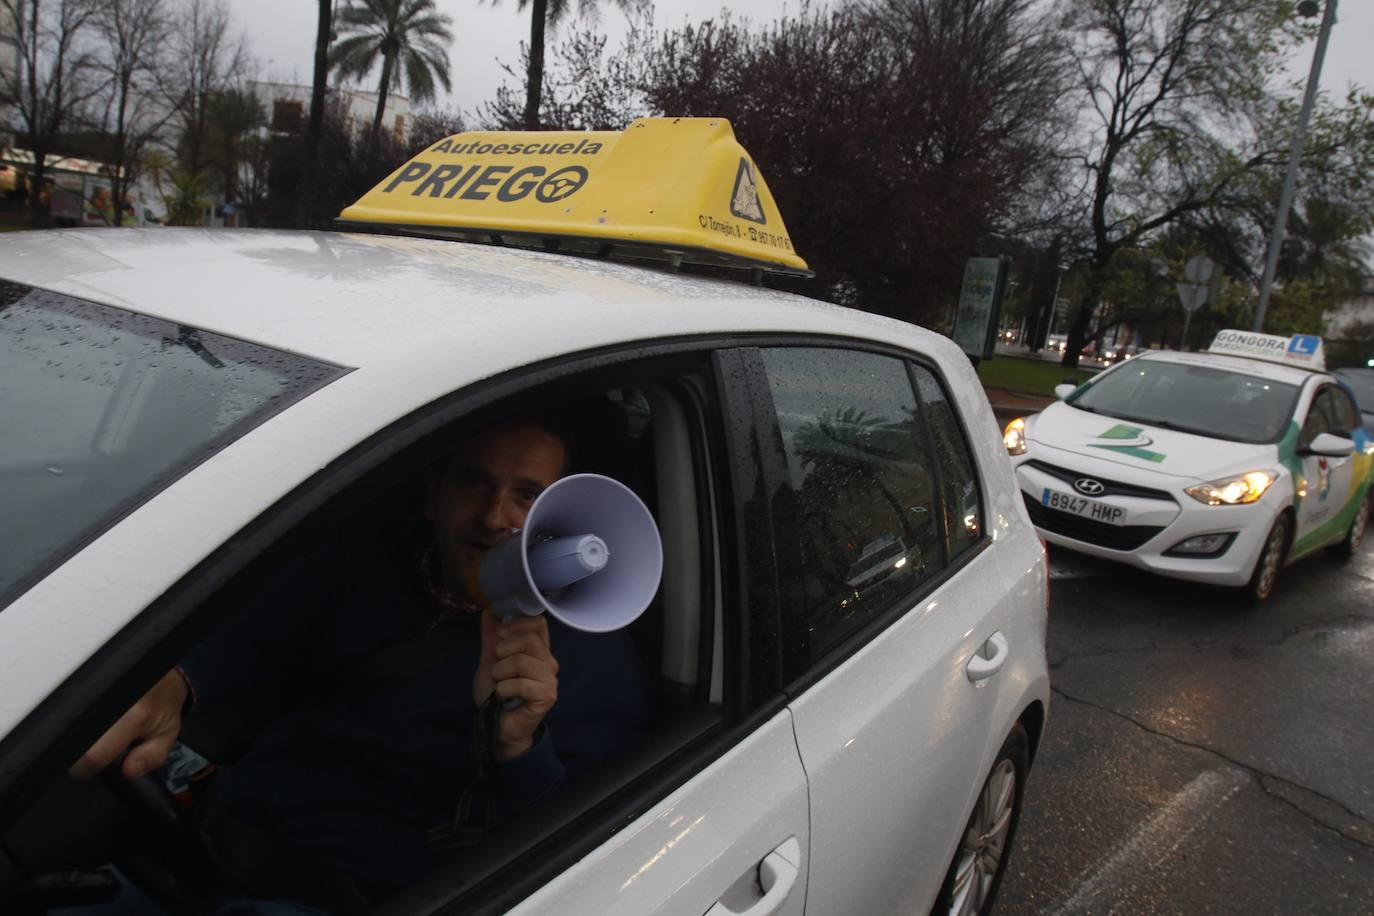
x: 511, y: 702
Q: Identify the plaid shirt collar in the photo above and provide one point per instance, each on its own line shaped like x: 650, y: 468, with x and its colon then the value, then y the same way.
x: 449, y: 604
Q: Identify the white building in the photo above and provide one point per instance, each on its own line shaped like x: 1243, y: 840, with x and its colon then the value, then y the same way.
x: 288, y: 107
x: 1354, y: 313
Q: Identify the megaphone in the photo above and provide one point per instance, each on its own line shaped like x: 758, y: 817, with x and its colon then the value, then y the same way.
x: 589, y: 555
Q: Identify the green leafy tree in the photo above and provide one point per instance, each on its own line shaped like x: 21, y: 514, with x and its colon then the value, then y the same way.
x: 235, y: 117
x: 409, y: 37
x: 1183, y: 128
x: 186, y: 197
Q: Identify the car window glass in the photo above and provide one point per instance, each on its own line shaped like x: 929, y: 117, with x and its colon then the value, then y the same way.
x: 1343, y: 413
x: 865, y: 490
x: 961, y: 510
x: 101, y: 407
x: 1319, y: 418
x: 1204, y: 400
x: 1361, y: 382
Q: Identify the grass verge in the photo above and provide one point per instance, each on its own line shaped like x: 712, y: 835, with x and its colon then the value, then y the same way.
x: 1028, y: 376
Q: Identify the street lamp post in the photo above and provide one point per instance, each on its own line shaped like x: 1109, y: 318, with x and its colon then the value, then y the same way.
x: 1290, y: 178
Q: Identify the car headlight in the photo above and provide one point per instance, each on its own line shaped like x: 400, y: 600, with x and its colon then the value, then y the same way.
x: 1233, y: 491
x: 1014, y: 437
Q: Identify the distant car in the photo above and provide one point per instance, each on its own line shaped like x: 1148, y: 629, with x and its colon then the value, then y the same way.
x: 1054, y: 342
x: 1218, y: 467
x: 184, y: 411
x: 1361, y: 385
x: 1121, y: 353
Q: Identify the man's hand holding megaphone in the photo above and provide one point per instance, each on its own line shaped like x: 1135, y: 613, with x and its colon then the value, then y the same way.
x: 517, y: 664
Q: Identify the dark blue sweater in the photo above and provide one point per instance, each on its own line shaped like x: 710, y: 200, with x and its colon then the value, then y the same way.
x: 358, y: 784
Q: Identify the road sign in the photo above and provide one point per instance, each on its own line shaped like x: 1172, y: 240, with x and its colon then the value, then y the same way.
x: 1192, y: 295
x: 1198, y: 269
x: 980, y: 306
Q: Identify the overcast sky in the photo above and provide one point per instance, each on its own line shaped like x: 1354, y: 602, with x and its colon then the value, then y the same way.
x: 281, y: 35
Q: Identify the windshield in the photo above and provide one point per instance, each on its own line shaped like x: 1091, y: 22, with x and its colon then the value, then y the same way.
x: 100, y: 408
x: 1206, y: 400
x: 1362, y: 383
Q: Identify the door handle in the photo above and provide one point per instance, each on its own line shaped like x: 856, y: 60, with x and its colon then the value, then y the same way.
x: 989, y: 658
x: 775, y: 877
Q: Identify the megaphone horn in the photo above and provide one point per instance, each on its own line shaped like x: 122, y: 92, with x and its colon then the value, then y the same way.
x: 589, y: 555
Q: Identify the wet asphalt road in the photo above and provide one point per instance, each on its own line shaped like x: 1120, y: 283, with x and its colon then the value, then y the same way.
x: 1203, y: 757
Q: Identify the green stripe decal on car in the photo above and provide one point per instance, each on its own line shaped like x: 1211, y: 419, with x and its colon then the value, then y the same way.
x: 1133, y: 442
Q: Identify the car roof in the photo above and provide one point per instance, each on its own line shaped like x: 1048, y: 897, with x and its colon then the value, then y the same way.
x: 1292, y: 375
x: 363, y: 300
x: 418, y: 319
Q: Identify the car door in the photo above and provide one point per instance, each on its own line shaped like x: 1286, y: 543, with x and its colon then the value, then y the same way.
x: 734, y: 838
x: 1328, y: 479
x: 893, y: 721
x: 710, y: 809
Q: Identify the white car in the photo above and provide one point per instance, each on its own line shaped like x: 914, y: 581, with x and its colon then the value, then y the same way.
x: 1217, y: 467
x: 186, y: 413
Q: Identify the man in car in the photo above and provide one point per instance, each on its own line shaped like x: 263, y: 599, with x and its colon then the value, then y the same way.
x: 381, y: 782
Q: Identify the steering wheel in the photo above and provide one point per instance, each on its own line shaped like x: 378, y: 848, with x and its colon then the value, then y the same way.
x: 183, y: 866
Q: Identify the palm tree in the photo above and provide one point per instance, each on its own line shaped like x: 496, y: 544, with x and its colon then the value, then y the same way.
x: 410, y: 37
x: 545, y: 11
x: 324, y: 34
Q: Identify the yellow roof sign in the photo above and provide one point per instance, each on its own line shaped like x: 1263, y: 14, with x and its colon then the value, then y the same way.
x: 676, y: 188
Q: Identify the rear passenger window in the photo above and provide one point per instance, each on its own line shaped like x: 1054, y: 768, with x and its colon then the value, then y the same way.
x: 866, y: 493
x: 962, y: 510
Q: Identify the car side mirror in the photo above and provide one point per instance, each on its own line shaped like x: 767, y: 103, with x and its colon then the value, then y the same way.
x: 1065, y: 389
x: 1330, y: 445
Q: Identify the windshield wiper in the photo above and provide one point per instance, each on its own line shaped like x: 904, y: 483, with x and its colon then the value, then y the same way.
x: 1101, y: 412
x: 189, y: 338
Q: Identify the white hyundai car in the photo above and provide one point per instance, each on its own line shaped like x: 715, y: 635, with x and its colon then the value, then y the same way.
x: 186, y: 414
x: 1217, y: 467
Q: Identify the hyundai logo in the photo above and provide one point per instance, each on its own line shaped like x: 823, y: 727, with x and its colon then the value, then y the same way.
x: 1089, y: 487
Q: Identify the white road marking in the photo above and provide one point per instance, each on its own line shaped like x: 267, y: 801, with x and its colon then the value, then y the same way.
x: 1154, y: 841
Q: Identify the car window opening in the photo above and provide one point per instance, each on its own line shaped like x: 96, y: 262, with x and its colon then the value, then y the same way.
x: 325, y: 701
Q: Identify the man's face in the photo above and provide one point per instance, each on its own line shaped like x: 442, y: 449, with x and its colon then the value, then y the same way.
x: 485, y: 491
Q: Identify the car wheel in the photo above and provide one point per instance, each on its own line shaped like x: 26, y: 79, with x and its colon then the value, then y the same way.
x: 1347, y: 548
x: 980, y: 862
x: 1261, y: 584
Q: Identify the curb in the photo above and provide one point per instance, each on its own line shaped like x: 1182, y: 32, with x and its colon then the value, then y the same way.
x: 1015, y: 402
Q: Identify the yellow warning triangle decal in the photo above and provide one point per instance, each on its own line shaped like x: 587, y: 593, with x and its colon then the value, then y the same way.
x: 744, y: 203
